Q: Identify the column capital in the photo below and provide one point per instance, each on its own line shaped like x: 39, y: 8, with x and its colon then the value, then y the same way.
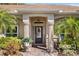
x: 26, y: 22
x: 50, y: 22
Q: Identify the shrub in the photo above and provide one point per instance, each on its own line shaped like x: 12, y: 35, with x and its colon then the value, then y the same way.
x: 20, y: 37
x: 5, y: 41
x: 69, y: 53
x: 10, y: 44
x: 69, y: 42
x: 68, y: 46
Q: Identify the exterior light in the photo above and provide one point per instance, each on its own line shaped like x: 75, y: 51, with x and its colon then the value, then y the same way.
x: 15, y: 11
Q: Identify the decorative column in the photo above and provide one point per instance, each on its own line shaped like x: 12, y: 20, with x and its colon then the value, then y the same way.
x: 26, y: 28
x: 50, y: 35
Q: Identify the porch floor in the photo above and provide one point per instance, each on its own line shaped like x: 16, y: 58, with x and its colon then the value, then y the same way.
x: 33, y: 51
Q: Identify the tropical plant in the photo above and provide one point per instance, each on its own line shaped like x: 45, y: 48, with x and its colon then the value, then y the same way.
x: 70, y: 28
x: 7, y: 20
x: 69, y: 25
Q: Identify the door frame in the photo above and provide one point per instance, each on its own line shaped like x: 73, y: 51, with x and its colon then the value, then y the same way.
x: 32, y: 21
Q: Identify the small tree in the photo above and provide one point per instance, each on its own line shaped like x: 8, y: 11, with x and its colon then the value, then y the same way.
x: 7, y: 20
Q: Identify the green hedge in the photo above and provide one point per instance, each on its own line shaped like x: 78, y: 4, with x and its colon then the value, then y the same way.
x: 7, y: 41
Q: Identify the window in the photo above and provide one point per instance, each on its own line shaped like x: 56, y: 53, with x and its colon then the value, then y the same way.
x: 13, y: 33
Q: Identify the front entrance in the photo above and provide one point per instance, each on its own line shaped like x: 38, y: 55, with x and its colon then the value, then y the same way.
x: 38, y: 34
x: 38, y: 31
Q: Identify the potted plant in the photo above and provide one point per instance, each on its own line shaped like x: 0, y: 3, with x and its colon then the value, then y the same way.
x: 27, y: 43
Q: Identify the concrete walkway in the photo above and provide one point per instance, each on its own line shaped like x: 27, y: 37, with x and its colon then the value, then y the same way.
x: 36, y: 52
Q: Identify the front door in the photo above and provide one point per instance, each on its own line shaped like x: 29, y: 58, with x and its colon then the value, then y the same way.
x: 38, y: 34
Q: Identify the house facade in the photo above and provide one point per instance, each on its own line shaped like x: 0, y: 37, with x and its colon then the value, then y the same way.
x: 37, y: 21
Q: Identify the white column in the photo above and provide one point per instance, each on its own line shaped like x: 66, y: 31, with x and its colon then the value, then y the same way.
x: 26, y: 28
x: 50, y: 35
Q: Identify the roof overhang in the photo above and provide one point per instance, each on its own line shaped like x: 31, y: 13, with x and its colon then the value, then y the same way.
x: 37, y: 10
x: 41, y: 10
x: 68, y: 12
